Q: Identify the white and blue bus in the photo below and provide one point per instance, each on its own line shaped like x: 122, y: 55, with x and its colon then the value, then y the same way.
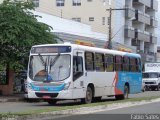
x: 71, y: 71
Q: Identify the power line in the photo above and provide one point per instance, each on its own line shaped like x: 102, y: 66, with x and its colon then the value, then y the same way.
x: 110, y: 24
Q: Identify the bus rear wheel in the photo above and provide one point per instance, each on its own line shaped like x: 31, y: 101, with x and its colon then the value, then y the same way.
x: 125, y: 95
x: 89, y: 96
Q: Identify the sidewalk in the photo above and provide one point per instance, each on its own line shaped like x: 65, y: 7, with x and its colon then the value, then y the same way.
x: 12, y: 98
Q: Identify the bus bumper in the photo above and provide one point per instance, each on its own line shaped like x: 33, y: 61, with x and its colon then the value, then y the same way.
x: 64, y: 94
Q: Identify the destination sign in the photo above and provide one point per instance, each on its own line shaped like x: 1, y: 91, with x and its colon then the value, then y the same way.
x: 51, y: 49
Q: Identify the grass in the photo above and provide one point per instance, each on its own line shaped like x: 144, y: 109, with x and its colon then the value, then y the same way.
x: 73, y: 106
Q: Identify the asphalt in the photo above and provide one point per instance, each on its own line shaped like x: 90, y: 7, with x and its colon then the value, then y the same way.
x: 12, y: 98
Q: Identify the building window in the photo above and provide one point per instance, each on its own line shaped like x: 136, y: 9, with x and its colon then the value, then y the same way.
x: 76, y: 2
x: 60, y: 2
x: 103, y: 20
x: 77, y: 19
x: 36, y: 3
x: 91, y: 18
x: 89, y: 0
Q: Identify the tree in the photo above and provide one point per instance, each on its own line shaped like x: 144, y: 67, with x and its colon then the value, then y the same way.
x: 19, y: 30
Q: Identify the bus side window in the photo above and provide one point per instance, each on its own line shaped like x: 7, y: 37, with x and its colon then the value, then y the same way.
x: 109, y: 63
x: 77, y: 67
x: 133, y: 65
x: 126, y: 64
x: 99, y: 62
x: 118, y: 63
x: 89, y: 61
x: 139, y: 65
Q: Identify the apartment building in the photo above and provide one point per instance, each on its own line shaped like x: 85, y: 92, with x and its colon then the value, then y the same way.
x: 91, y: 12
x: 140, y: 27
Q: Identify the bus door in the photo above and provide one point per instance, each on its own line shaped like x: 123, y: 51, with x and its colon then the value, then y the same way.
x: 78, y: 74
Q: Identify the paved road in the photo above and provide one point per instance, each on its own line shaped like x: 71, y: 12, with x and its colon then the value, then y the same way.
x: 142, y: 112
x: 151, y: 108
x: 24, y: 106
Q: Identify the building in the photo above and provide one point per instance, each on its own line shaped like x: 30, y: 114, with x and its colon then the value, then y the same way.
x: 92, y: 12
x: 140, y: 27
x: 133, y: 26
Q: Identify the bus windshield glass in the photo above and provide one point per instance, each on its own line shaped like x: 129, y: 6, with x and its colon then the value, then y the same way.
x: 150, y: 75
x: 49, y: 68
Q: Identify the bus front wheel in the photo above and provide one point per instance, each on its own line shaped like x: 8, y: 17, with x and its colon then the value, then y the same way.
x: 89, y: 96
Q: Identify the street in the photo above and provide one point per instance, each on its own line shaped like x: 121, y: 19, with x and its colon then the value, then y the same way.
x: 26, y: 106
x: 147, y: 111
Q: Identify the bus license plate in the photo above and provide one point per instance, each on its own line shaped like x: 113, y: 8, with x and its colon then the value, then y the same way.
x: 46, y: 97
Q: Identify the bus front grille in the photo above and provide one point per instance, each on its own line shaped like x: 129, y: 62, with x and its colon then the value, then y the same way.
x: 52, y: 95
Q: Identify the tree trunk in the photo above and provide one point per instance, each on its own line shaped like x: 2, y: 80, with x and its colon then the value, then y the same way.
x: 8, y: 88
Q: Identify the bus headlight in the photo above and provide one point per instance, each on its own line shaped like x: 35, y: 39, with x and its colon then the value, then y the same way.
x: 67, y: 85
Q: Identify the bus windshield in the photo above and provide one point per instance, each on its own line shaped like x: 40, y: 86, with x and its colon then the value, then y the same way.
x: 150, y: 75
x: 49, y: 68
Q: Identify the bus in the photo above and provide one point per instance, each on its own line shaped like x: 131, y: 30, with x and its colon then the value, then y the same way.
x: 71, y: 71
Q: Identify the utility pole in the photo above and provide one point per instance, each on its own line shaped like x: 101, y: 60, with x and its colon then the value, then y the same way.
x: 110, y: 26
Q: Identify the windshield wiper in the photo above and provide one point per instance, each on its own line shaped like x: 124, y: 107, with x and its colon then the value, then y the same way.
x: 53, y: 61
x: 42, y: 60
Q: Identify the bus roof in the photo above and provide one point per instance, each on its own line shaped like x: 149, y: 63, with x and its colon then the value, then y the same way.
x: 92, y: 49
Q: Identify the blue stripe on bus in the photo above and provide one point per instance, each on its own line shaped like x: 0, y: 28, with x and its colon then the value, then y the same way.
x: 134, y: 80
x: 48, y: 88
x: 132, y: 55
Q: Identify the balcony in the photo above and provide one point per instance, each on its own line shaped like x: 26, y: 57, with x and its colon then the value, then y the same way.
x: 129, y: 32
x: 142, y: 35
x: 154, y: 22
x: 143, y: 2
x: 129, y: 13
x: 142, y: 17
x: 153, y: 39
x: 154, y: 5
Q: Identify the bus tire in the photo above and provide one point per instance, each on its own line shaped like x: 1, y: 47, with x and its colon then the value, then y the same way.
x: 89, y: 96
x: 97, y: 99
x: 52, y: 102
x: 124, y: 95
